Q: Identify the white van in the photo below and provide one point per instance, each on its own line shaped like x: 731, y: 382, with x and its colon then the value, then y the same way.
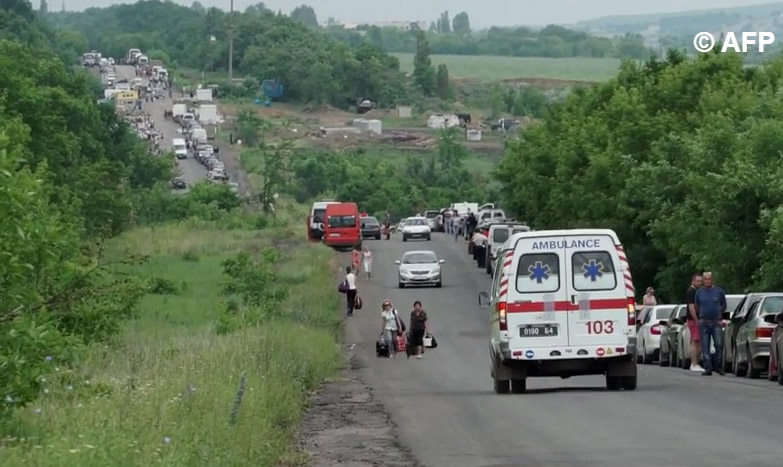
x: 316, y: 219
x: 180, y: 148
x: 497, y: 236
x: 562, y: 304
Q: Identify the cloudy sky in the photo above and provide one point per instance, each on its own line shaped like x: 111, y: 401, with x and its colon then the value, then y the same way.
x: 502, y: 12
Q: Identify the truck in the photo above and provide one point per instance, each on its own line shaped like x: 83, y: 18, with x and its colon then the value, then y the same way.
x: 204, y: 95
x: 133, y: 53
x: 178, y: 110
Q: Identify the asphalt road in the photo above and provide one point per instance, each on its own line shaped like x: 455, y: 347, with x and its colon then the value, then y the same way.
x: 448, y: 414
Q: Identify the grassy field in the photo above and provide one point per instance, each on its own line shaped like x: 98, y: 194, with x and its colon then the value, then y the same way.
x: 493, y: 68
x: 165, y: 394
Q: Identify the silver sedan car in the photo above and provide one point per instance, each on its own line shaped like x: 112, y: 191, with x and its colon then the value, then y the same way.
x: 420, y: 267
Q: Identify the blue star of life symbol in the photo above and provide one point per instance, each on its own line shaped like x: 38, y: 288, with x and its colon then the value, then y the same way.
x: 539, y: 272
x: 593, y: 270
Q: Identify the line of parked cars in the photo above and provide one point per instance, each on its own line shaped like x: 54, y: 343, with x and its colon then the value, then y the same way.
x: 752, y: 335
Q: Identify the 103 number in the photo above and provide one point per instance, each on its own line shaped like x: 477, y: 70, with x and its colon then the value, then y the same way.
x: 600, y: 327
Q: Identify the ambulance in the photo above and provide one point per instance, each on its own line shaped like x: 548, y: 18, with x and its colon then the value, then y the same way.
x: 561, y: 304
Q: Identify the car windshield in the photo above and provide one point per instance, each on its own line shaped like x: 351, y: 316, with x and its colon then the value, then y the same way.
x: 318, y: 215
x: 771, y: 305
x: 732, y: 302
x: 499, y: 235
x: 415, y: 222
x: 431, y: 214
x: 427, y: 257
x: 370, y: 222
x: 342, y: 221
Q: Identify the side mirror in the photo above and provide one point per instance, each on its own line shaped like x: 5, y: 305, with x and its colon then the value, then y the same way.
x: 483, y: 298
x: 677, y: 321
x: 779, y: 318
x: 441, y: 261
x: 663, y: 322
x: 726, y: 315
x: 771, y: 319
x: 397, y: 262
x: 638, y: 322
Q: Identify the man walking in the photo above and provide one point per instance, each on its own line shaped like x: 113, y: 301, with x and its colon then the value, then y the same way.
x: 692, y: 322
x: 710, y: 306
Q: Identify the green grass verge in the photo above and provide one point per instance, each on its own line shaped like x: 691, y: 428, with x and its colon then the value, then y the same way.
x: 164, y: 394
x: 494, y: 68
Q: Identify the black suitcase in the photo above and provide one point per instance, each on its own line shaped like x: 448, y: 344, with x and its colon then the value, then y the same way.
x: 382, y: 347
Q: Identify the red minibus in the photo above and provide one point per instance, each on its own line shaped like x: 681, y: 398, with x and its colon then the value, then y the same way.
x: 342, y: 227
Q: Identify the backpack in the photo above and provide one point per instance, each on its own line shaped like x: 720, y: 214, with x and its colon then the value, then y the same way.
x: 357, y: 303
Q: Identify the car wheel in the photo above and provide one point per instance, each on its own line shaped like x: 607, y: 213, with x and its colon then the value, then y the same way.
x: 628, y: 382
x: 772, y: 371
x: 752, y: 372
x: 737, y: 369
x: 429, y: 237
x: 614, y: 383
x: 664, y: 361
x: 401, y: 285
x: 501, y: 387
x: 439, y: 284
x: 518, y: 386
x: 726, y: 363
x: 377, y: 237
x: 404, y: 238
x: 780, y: 371
x: 673, y: 359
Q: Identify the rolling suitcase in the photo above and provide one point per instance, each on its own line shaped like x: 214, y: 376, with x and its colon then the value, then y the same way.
x: 382, y: 347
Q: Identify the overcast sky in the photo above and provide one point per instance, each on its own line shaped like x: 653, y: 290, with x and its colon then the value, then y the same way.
x: 502, y: 12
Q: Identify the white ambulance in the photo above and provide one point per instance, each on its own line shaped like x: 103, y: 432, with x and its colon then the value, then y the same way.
x: 562, y: 304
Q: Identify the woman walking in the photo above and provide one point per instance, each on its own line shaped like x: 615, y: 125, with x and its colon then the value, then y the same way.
x: 367, y: 255
x: 350, y: 292
x: 392, y: 325
x: 649, y: 297
x: 356, y: 255
x: 419, y: 328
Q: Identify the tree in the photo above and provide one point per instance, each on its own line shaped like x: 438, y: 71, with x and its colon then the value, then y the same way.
x: 43, y: 8
x: 444, y: 25
x: 423, y: 71
x: 443, y: 89
x: 305, y: 15
x: 461, y: 23
x: 496, y: 101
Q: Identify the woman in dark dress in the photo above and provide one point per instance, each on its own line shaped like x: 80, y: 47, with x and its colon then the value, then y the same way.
x: 419, y: 328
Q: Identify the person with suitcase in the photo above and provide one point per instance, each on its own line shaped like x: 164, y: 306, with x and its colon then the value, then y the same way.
x: 419, y: 328
x: 392, y: 325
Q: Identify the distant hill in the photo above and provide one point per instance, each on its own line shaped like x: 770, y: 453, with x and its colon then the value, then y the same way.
x: 687, y: 22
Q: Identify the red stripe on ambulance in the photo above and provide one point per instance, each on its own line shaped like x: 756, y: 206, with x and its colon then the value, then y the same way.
x: 565, y: 305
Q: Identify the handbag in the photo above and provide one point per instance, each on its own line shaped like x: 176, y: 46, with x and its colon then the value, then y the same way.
x: 357, y: 303
x: 343, y: 287
x: 430, y: 342
x: 400, y: 323
x: 399, y: 343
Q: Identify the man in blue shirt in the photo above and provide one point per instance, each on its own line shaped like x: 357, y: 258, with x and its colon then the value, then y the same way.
x: 710, y: 305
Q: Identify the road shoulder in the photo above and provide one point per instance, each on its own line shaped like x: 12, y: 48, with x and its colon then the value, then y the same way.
x: 345, y: 425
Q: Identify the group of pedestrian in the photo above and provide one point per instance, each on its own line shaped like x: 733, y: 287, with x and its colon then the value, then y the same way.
x: 706, y: 305
x: 393, y: 326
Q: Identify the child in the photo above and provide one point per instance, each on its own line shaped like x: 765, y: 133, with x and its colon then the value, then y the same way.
x: 356, y: 258
x: 367, y: 254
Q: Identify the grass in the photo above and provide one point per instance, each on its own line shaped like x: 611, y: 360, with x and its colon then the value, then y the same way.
x: 164, y: 394
x: 494, y: 68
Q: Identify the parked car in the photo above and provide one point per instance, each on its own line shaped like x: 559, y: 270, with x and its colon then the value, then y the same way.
x: 371, y: 228
x: 670, y: 334
x: 776, y: 351
x: 684, y: 341
x: 648, y: 335
x: 732, y: 327
x: 751, y: 349
x: 420, y: 267
x: 178, y: 184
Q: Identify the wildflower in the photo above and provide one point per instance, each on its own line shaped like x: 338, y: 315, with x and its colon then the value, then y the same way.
x: 73, y: 451
x: 9, y: 399
x: 37, y: 411
x: 48, y: 358
x: 69, y: 388
x: 166, y: 440
x: 46, y: 391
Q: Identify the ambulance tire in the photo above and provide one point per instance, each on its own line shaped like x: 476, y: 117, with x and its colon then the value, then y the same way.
x: 614, y: 383
x: 489, y: 267
x: 501, y: 387
x: 518, y: 386
x: 629, y: 383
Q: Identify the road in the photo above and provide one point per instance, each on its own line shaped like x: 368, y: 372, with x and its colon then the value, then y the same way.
x: 448, y: 414
x: 189, y: 169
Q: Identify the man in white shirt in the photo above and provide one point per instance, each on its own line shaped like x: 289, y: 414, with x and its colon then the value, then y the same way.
x: 350, y: 294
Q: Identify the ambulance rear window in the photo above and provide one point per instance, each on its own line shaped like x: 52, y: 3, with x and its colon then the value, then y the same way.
x: 593, y: 271
x: 538, y: 273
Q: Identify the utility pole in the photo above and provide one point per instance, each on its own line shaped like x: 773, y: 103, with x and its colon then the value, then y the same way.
x: 231, y: 44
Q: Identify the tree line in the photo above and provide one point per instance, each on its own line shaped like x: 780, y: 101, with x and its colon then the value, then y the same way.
x: 680, y: 157
x: 72, y: 176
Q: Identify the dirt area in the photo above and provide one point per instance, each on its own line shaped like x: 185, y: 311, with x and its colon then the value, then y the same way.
x: 346, y: 427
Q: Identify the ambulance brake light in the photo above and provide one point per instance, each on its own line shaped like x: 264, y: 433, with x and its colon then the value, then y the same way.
x: 501, y: 309
x: 631, y: 311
